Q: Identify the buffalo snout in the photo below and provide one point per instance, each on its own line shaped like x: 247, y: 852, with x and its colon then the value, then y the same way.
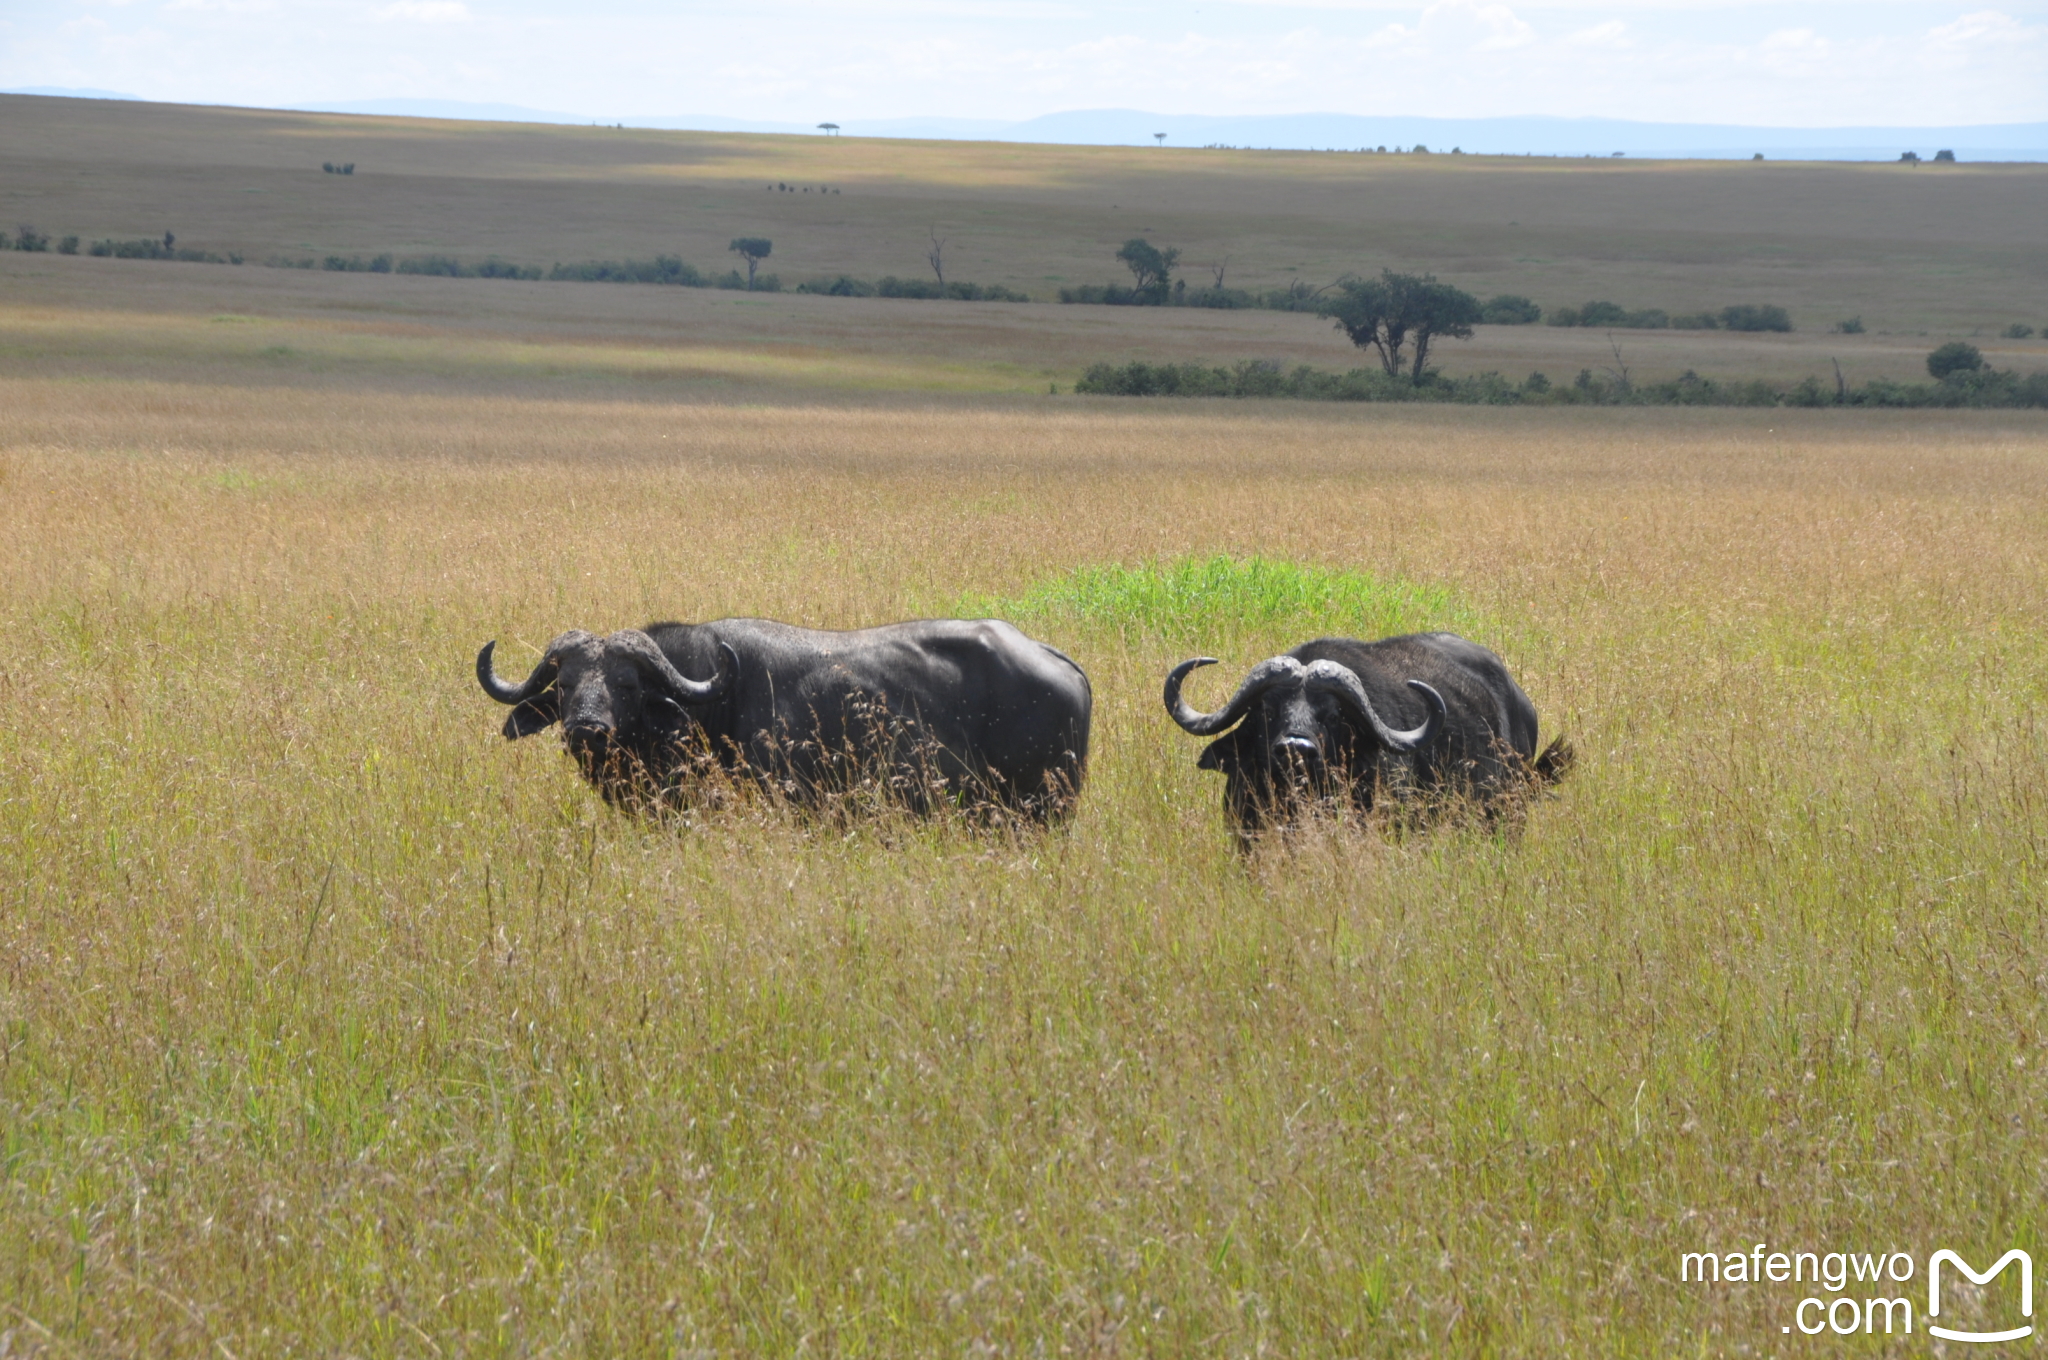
x: 589, y: 739
x: 1298, y: 752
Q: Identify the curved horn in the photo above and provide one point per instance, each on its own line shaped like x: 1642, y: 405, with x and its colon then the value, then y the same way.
x: 1342, y: 680
x: 679, y: 685
x: 543, y: 676
x: 1263, y: 677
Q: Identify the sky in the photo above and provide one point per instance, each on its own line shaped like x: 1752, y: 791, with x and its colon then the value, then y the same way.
x: 1801, y: 63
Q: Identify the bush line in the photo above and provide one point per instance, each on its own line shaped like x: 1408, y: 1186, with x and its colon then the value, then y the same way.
x: 1979, y: 387
x: 1506, y: 309
x: 668, y: 270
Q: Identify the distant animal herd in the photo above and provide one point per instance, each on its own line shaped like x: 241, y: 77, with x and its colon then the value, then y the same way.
x: 973, y: 714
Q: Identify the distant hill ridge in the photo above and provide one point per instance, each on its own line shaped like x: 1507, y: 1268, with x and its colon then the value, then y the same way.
x: 1542, y: 136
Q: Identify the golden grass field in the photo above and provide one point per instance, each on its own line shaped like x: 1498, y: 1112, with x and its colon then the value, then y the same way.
x: 333, y: 1024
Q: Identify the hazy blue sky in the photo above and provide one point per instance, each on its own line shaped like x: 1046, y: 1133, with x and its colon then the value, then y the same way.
x: 1805, y: 62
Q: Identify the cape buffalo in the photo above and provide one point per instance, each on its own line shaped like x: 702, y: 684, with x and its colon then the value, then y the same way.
x: 1429, y: 712
x: 972, y: 710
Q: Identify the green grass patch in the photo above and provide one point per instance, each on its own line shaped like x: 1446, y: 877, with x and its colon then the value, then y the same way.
x: 1201, y: 599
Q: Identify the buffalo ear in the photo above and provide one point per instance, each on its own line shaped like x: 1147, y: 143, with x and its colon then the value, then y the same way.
x: 1220, y: 754
x: 541, y: 711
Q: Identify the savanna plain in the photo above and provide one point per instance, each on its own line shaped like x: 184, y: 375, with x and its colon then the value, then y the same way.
x: 332, y: 1023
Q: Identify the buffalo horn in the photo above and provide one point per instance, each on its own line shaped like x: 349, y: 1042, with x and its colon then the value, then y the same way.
x: 543, y: 676
x: 680, y: 686
x: 1263, y: 677
x: 1343, y: 681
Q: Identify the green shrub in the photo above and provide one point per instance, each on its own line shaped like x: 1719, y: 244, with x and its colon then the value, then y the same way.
x: 68, y: 246
x: 1261, y: 378
x: 148, y: 248
x: 28, y: 238
x: 1510, y: 309
x: 1696, y: 321
x: 1755, y: 317
x: 1613, y: 315
x: 893, y: 287
x: 843, y: 286
x: 1107, y: 294
x: 662, y: 269
x: 1955, y: 357
x: 499, y: 269
x: 1851, y: 326
x: 1809, y: 392
x: 1963, y: 387
x: 1218, y: 299
x: 2016, y: 331
x: 929, y: 290
x: 979, y: 292
x: 1295, y: 297
x: 1948, y: 156
x: 442, y: 266
x: 447, y: 266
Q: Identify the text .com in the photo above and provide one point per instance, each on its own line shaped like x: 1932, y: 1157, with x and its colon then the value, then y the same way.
x: 1862, y: 1292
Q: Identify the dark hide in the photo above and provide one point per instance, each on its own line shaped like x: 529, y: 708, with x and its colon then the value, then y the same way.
x: 967, y: 711
x: 1439, y: 716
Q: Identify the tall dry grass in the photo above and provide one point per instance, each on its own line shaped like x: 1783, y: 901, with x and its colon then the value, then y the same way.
x: 334, y: 1024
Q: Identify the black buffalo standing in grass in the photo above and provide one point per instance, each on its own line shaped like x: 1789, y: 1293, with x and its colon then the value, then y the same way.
x: 970, y: 712
x: 1425, y: 714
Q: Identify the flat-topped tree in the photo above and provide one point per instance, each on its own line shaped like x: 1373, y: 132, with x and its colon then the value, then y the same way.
x: 753, y: 249
x: 1385, y: 313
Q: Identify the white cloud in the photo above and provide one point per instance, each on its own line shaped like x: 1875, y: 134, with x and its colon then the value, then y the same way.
x: 1772, y: 62
x: 1611, y: 36
x: 1982, y: 28
x: 427, y: 11
x: 1453, y: 26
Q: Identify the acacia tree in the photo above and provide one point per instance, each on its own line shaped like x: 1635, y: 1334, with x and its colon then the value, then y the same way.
x: 1385, y: 313
x: 753, y: 249
x: 1150, y: 266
